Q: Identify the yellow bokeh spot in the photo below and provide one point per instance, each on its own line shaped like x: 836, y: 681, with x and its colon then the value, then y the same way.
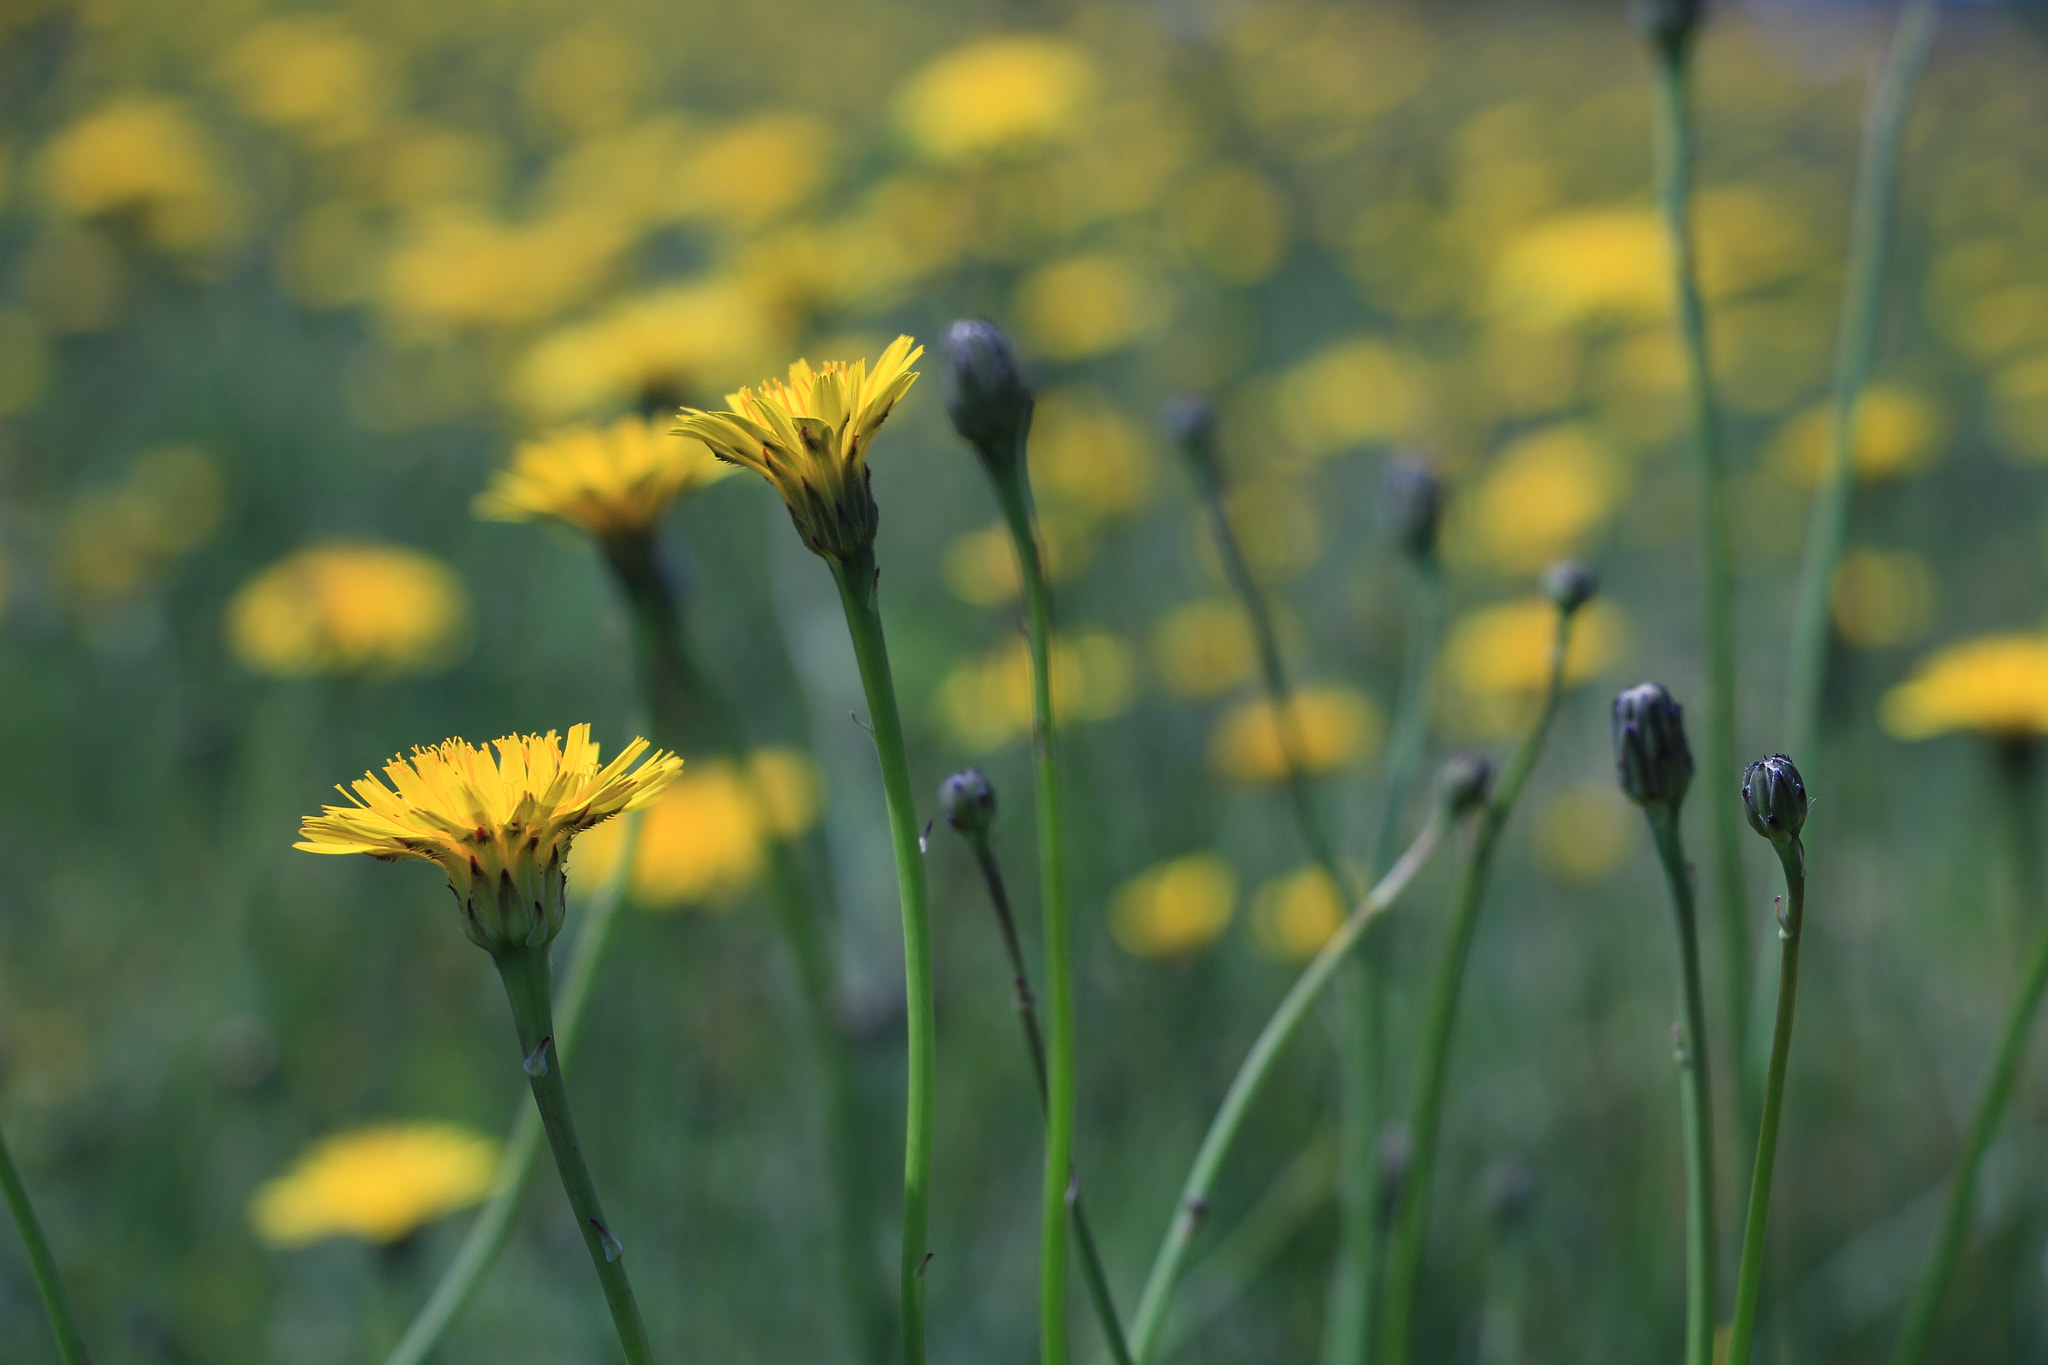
x: 1174, y: 909
x: 347, y: 608
x: 458, y: 267
x: 584, y: 79
x: 1354, y: 392
x: 1333, y: 727
x: 986, y: 700
x: 757, y: 170
x: 147, y: 158
x: 308, y: 75
x: 1277, y: 527
x: 1496, y: 658
x: 1542, y: 498
x: 1294, y: 915
x: 1087, y: 452
x: 118, y: 539
x: 1584, y: 832
x: 2019, y: 406
x: 1998, y: 685
x: 1233, y: 221
x: 1087, y: 306
x: 1012, y: 93
x: 377, y: 1183
x: 1203, y: 649
x: 1898, y: 432
x: 981, y: 565
x: 1606, y: 265
x: 24, y: 361
x: 1882, y: 599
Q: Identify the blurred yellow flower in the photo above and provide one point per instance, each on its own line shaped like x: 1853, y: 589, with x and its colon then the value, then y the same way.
x: 1334, y: 726
x: 981, y: 566
x: 147, y: 158
x: 1542, y: 498
x: 458, y: 267
x: 609, y: 481
x: 1606, y: 264
x: 753, y: 171
x: 2019, y: 406
x: 1998, y: 685
x: 1205, y: 648
x: 1584, y: 832
x: 1087, y: 305
x: 1883, y: 598
x: 117, y: 539
x: 1294, y: 915
x: 377, y: 1183
x: 24, y: 361
x: 1277, y: 527
x: 1008, y: 93
x: 584, y: 79
x: 1234, y: 222
x: 1898, y: 432
x: 309, y: 75
x: 1087, y: 452
x: 345, y: 608
x: 1496, y: 658
x: 1355, y: 392
x: 986, y: 700
x: 1174, y: 909
x: 708, y: 837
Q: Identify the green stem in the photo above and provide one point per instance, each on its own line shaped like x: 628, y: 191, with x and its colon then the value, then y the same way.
x: 493, y: 1226
x: 1695, y: 1095
x: 1749, y: 1278
x: 527, y: 986
x: 42, y: 1265
x: 1674, y: 198
x: 856, y: 579
x: 1870, y: 235
x: 1411, y: 1213
x: 1916, y: 1335
x: 1092, y: 1272
x: 1193, y: 1207
x: 1013, y: 490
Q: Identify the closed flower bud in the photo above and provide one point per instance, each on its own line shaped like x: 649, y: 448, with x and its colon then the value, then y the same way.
x: 1464, y: 783
x: 968, y: 801
x: 1775, y: 798
x: 986, y: 392
x: 1411, y: 505
x: 1651, y: 756
x: 1668, y: 23
x: 1570, y: 584
x: 1191, y: 422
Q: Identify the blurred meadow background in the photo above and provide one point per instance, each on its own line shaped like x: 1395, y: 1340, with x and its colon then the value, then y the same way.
x: 281, y: 286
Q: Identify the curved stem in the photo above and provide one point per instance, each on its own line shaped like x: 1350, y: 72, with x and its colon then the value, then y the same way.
x: 1695, y: 1095
x: 1750, y: 1277
x: 856, y: 579
x: 1870, y: 234
x: 1411, y: 1213
x: 493, y: 1226
x: 1717, y: 609
x: 527, y: 987
x: 41, y: 1264
x: 1216, y: 1143
x: 1013, y: 490
x: 1092, y: 1272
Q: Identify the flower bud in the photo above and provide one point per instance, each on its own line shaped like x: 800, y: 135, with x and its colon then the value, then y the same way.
x: 1464, y: 783
x: 1650, y: 753
x: 1570, y: 584
x: 968, y: 801
x: 1668, y: 23
x: 1411, y: 505
x: 986, y: 392
x: 1775, y: 798
x: 1191, y: 422
x: 1510, y: 1192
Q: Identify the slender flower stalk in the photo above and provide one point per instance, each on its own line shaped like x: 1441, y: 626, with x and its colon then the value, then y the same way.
x: 1775, y: 797
x: 1411, y: 1208
x: 1870, y: 238
x: 968, y: 802
x: 1193, y: 1206
x: 1655, y: 767
x: 2019, y: 759
x: 42, y: 1265
x: 991, y: 407
x: 1671, y: 27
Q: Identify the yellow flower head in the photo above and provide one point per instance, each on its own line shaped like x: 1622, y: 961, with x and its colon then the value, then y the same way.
x: 610, y: 481
x: 1294, y: 915
x: 1997, y: 685
x: 1333, y: 727
x: 500, y: 829
x: 343, y: 608
x: 1176, y: 908
x: 377, y: 1183
x: 809, y: 438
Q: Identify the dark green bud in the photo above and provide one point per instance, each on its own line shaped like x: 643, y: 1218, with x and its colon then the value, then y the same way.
x: 1775, y: 798
x: 1669, y: 24
x: 1570, y: 584
x: 1650, y: 753
x: 987, y: 395
x: 1511, y: 1192
x: 968, y: 801
x: 1191, y: 422
x: 1411, y: 505
x: 1464, y: 783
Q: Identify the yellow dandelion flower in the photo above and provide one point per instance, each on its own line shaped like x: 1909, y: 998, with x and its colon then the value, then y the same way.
x: 1203, y: 649
x: 1882, y: 598
x: 378, y: 1183
x: 1334, y: 727
x: 610, y: 481
x: 1605, y: 264
x: 998, y: 94
x: 809, y: 438
x: 1294, y: 915
x: 500, y: 830
x: 1087, y: 306
x: 1543, y: 497
x: 458, y: 267
x: 986, y: 701
x: 1997, y: 685
x: 1087, y: 453
x: 147, y: 158
x: 1353, y: 392
x: 757, y: 170
x: 1584, y: 832
x: 1174, y: 909
x: 309, y: 75
x: 1496, y: 658
x: 346, y: 608
x: 1898, y: 432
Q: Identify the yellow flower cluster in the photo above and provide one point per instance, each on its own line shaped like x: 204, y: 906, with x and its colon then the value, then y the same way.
x: 609, y: 481
x: 1997, y: 685
x: 378, y: 1183
x: 1174, y: 909
x: 1334, y: 727
x: 350, y: 608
